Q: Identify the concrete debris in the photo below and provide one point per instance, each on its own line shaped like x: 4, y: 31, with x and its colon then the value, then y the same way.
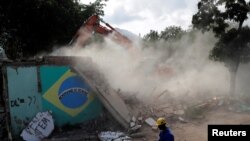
x: 113, y: 136
x: 132, y: 124
x: 40, y: 127
x: 179, y: 112
x: 139, y: 118
x: 150, y: 121
x: 133, y: 119
x: 152, y: 110
x: 137, y: 135
x: 135, y: 128
x: 168, y: 110
x: 182, y: 120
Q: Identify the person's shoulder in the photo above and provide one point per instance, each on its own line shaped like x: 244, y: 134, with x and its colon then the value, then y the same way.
x: 169, y: 131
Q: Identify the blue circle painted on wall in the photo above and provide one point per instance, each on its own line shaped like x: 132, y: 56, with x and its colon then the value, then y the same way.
x: 73, y: 92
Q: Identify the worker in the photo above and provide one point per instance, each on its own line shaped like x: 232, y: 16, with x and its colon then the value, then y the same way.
x: 165, y: 133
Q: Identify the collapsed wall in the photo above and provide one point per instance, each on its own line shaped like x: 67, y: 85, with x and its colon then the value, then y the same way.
x: 50, y: 84
x: 109, y: 98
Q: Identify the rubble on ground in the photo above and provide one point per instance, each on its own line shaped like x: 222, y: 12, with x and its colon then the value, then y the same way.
x: 113, y: 136
x: 142, y: 120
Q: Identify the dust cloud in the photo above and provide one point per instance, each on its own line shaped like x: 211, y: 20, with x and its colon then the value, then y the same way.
x: 161, y: 70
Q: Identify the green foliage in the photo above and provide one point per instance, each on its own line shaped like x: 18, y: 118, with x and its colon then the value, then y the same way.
x: 236, y: 10
x: 172, y: 33
x: 233, y: 43
x: 28, y: 27
x: 233, y: 46
x: 209, y: 17
x: 98, y: 6
x: 152, y: 36
x: 168, y: 34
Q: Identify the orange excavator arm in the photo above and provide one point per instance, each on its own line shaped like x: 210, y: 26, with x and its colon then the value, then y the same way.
x: 92, y: 25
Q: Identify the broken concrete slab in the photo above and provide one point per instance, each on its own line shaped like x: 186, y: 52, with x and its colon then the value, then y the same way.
x: 151, y: 122
x: 132, y: 124
x: 108, y: 96
x: 135, y: 128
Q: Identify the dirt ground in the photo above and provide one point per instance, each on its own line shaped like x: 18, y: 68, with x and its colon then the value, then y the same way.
x: 191, y: 130
x: 196, y: 130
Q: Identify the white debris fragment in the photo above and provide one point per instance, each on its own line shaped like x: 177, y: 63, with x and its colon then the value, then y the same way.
x: 40, y: 127
x: 182, y: 119
x: 150, y: 121
x: 113, y: 136
x: 132, y: 124
x: 133, y: 119
x: 136, y: 127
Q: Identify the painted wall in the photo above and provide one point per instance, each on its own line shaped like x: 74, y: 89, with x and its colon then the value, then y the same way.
x: 24, y: 99
x: 68, y: 96
x: 56, y: 88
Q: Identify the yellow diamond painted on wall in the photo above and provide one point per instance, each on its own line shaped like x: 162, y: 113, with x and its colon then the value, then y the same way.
x: 70, y: 94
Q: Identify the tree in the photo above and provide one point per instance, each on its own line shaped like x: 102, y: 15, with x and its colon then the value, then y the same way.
x: 30, y: 26
x: 152, y: 36
x: 172, y: 33
x: 234, y: 43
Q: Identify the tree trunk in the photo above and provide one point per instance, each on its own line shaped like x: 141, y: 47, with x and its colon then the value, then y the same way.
x: 240, y: 25
x: 232, y: 83
x: 233, y: 72
x: 234, y: 68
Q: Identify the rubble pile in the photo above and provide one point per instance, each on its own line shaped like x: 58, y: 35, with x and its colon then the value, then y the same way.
x: 142, y: 120
x: 176, y: 111
x: 87, y: 131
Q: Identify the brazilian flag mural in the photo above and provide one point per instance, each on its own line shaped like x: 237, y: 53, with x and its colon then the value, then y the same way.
x: 68, y: 96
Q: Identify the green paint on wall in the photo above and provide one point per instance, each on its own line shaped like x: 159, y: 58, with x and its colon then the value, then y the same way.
x: 24, y: 98
x: 62, y: 114
x: 25, y: 101
x: 51, y: 74
x: 93, y: 110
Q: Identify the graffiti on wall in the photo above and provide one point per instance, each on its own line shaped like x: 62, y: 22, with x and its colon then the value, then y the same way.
x: 29, y: 100
x: 70, y: 94
x: 62, y: 91
x: 24, y: 99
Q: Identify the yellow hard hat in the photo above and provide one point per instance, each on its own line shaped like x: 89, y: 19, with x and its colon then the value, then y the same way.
x: 160, y: 121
